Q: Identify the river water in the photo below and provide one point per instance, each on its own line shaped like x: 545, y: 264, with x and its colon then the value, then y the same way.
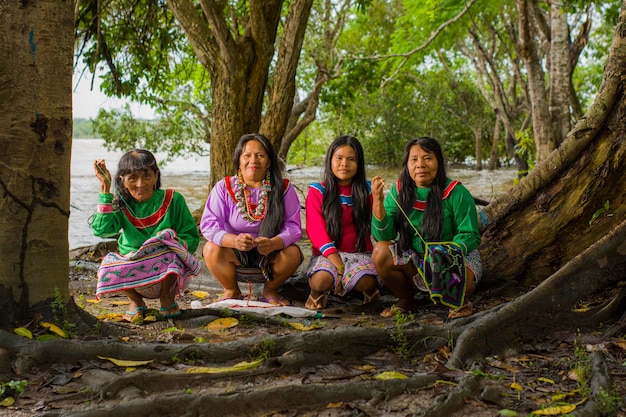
x: 190, y: 177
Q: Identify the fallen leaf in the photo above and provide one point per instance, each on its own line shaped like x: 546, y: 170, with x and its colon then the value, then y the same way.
x: 301, y: 327
x: 23, y: 331
x: 507, y: 413
x: 93, y: 300
x: 125, y: 363
x: 224, y: 323
x: 200, y: 294
x: 390, y: 375
x: 7, y: 402
x: 241, y: 366
x: 555, y: 411
x: 53, y: 328
x: 334, y: 405
x: 559, y: 397
x: 516, y: 386
x: 172, y: 329
x: 546, y: 380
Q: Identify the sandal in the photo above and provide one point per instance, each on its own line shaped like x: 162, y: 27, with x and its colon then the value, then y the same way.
x: 163, y: 310
x: 465, y: 310
x: 135, y: 316
x: 374, y: 297
x: 316, y: 303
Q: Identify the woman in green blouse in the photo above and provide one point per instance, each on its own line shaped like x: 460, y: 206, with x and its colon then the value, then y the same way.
x: 423, y: 206
x: 157, y: 236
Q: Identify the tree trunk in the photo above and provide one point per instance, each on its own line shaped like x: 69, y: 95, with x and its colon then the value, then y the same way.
x: 36, y: 43
x: 559, y: 208
x: 494, y: 156
x: 478, y: 133
x: 238, y: 56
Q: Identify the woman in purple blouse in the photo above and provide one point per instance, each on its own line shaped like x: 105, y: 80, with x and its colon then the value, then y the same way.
x: 253, y: 220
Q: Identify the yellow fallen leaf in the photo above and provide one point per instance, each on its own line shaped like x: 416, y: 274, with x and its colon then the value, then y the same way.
x: 120, y: 303
x: 124, y: 338
x: 200, y: 294
x: 111, y: 316
x: 559, y: 397
x: 390, y: 375
x: 125, y: 363
x: 150, y: 318
x: 555, y: 411
x: 7, y: 402
x: 516, y: 386
x: 546, y: 380
x: 301, y: 327
x: 93, y: 300
x: 54, y: 328
x: 224, y: 323
x: 241, y: 366
x: 23, y: 331
x: 334, y: 405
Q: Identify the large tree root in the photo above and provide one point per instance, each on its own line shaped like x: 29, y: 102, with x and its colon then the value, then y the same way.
x: 549, y: 305
x: 253, y: 403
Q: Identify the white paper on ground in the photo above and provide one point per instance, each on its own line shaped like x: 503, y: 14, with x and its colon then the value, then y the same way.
x: 258, y: 307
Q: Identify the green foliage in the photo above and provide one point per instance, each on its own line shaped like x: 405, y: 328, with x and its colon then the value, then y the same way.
x: 400, y: 339
x: 526, y: 148
x: 310, y: 147
x: 600, y: 212
x: 263, y: 350
x: 11, y: 388
x: 60, y: 313
x: 175, y: 133
x: 83, y: 129
x: 609, y: 402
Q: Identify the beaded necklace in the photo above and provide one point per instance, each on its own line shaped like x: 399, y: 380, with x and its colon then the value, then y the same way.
x: 242, y: 195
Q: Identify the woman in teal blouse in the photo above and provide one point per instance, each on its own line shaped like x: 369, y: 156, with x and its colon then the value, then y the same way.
x: 423, y: 206
x: 157, y: 236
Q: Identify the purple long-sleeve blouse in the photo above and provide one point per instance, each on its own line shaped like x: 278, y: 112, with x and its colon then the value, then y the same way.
x: 221, y: 215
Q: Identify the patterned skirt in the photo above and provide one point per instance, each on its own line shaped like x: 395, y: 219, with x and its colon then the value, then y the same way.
x: 145, y: 269
x: 357, y: 265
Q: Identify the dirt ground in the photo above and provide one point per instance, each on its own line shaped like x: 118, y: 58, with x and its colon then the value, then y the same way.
x: 531, y: 375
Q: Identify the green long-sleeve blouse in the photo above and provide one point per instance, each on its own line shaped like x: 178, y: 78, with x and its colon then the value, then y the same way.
x: 460, y: 220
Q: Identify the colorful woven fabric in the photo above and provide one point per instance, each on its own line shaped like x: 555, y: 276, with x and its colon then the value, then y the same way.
x: 158, y: 257
x: 442, y: 272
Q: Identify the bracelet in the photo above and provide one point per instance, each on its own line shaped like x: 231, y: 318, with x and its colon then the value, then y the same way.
x: 105, y: 208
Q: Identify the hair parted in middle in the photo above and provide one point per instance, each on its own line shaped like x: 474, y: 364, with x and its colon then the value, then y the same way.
x: 274, y: 218
x: 331, y: 201
x: 432, y: 223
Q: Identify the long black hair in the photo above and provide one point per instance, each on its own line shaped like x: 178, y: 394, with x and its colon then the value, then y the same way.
x: 432, y: 223
x: 331, y: 202
x: 274, y: 218
x: 133, y: 161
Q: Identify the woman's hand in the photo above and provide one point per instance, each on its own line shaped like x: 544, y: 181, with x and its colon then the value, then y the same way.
x: 103, y: 175
x: 264, y: 245
x: 244, y: 242
x: 378, y: 194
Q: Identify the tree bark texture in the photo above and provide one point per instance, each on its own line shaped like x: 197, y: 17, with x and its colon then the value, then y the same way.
x: 36, y: 43
x: 558, y: 210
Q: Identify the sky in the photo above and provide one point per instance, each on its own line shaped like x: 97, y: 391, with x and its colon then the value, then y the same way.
x: 87, y: 100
